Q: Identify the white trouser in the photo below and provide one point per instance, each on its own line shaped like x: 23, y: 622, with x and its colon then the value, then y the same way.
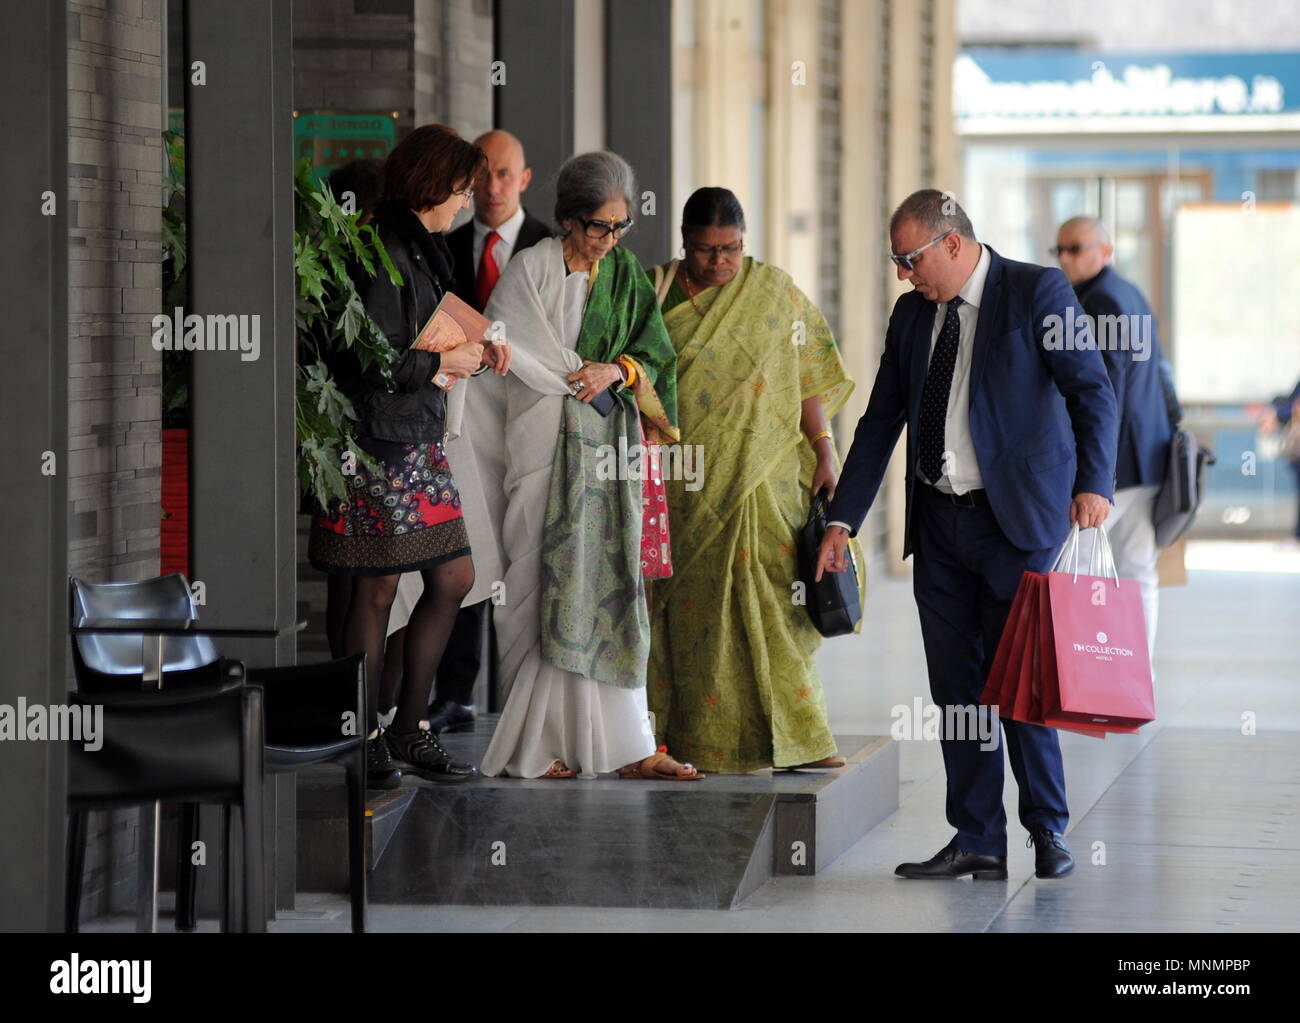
x: 1132, y: 535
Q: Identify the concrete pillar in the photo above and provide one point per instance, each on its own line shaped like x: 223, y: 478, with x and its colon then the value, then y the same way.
x: 33, y: 449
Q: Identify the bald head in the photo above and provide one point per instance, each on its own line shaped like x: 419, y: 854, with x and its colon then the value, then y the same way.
x: 1083, y: 248
x: 1089, y: 227
x: 497, y: 191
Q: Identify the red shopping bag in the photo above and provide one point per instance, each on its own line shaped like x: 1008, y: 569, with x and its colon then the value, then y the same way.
x: 1020, y: 699
x: 1047, y: 676
x: 999, y: 679
x: 1103, y: 668
x: 1009, y: 685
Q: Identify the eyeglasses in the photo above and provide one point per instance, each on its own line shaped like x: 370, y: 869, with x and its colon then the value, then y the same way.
x: 908, y: 260
x: 464, y: 193
x: 1073, y: 250
x: 728, y: 251
x: 601, y: 228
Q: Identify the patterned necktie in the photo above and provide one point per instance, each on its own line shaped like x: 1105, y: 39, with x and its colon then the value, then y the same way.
x: 488, y: 271
x: 934, y: 395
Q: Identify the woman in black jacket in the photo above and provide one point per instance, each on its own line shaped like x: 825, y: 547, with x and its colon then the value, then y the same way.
x: 408, y: 517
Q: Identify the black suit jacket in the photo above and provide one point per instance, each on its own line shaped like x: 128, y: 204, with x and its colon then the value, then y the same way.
x: 461, y: 243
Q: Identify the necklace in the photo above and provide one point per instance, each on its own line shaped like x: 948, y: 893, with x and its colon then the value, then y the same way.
x: 686, y: 278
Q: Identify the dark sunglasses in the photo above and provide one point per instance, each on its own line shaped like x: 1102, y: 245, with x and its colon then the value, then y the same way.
x: 1072, y: 250
x: 600, y: 228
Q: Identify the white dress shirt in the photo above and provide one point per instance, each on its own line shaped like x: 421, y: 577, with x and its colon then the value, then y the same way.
x: 959, y: 448
x: 509, y: 232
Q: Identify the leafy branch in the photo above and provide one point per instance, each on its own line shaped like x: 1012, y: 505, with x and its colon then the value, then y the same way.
x: 331, y: 318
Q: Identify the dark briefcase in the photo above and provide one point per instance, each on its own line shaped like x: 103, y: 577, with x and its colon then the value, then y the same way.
x: 1183, y: 488
x: 833, y: 603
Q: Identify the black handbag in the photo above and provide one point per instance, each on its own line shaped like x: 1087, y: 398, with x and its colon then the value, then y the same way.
x: 833, y: 604
x: 1183, y: 489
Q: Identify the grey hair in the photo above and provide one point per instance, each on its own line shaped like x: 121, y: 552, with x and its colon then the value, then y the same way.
x: 938, y: 212
x: 587, y: 181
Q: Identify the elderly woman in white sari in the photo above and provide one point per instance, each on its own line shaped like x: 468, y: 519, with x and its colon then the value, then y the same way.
x: 571, y: 617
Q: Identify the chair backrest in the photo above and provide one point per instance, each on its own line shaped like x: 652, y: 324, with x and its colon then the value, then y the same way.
x: 165, y: 597
x: 189, y: 745
x: 306, y: 704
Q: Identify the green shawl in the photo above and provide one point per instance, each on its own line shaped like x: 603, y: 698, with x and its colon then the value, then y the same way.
x: 594, y: 618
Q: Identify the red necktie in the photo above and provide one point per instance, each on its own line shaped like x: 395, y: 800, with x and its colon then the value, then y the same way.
x: 488, y: 271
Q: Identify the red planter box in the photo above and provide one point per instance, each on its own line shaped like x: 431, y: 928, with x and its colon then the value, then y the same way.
x: 175, y: 528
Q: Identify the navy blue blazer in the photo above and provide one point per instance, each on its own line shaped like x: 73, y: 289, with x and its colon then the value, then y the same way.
x: 1043, y: 421
x: 1142, y: 452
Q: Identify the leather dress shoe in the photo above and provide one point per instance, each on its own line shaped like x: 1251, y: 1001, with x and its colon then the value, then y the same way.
x: 381, y: 772
x: 420, y: 753
x: 445, y: 716
x: 1051, y: 857
x: 951, y: 862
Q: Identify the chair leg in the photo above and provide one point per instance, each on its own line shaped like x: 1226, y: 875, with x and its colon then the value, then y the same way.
x: 228, y: 912
x: 254, y: 898
x: 186, y: 876
x: 356, y: 772
x: 76, y: 864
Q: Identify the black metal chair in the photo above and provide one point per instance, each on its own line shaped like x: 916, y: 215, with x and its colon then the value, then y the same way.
x: 115, y: 662
x: 305, y: 706
x: 141, y: 761
x: 316, y: 714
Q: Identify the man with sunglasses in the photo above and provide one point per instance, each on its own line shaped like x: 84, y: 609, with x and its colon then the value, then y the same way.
x: 1125, y: 329
x: 1009, y: 441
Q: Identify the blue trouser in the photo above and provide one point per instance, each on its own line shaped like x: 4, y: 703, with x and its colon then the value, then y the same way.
x: 965, y: 574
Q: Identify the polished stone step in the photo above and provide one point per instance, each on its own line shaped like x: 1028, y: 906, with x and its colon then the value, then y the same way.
x: 607, y: 842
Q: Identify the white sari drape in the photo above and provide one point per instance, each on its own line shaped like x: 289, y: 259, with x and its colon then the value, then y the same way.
x: 504, y: 433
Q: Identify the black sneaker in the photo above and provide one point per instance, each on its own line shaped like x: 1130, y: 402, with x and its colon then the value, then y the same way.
x: 419, y: 752
x: 381, y: 772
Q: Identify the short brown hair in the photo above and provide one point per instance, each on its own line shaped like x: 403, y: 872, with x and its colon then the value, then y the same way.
x: 424, y: 168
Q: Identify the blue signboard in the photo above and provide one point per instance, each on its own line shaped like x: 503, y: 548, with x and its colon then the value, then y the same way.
x: 997, y: 88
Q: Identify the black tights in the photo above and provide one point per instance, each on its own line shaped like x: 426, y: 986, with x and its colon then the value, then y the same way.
x: 445, y: 586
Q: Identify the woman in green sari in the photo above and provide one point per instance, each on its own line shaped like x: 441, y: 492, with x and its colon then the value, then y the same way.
x: 561, y: 538
x: 733, y: 683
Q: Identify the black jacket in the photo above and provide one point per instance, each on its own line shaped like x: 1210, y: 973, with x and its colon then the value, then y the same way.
x: 461, y: 244
x: 414, y: 409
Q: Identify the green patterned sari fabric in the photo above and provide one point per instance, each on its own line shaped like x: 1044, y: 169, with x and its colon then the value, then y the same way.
x: 594, y: 619
x: 732, y: 678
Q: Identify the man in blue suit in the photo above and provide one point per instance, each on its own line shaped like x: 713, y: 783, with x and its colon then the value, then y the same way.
x: 1125, y: 330
x: 1010, y: 439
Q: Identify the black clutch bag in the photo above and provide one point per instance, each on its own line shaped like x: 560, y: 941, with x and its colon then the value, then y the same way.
x: 603, y: 402
x: 833, y: 603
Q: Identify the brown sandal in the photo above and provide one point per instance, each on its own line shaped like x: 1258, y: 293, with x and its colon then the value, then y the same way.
x: 559, y: 769
x: 817, y: 765
x: 652, y: 768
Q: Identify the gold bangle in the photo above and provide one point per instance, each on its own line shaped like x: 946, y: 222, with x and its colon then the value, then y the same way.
x: 818, y: 436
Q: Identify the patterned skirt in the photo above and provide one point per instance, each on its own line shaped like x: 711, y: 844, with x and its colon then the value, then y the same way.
x: 403, y: 520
